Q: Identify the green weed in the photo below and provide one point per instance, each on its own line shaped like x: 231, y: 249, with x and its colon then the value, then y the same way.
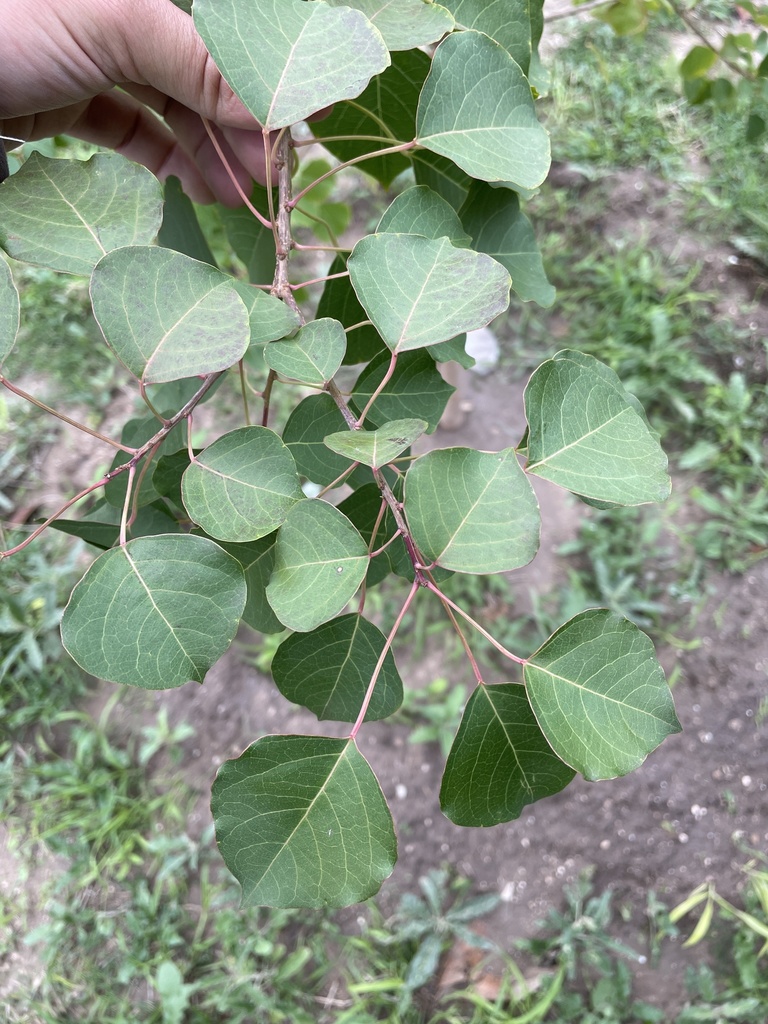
x: 38, y: 685
x: 412, y: 942
x: 59, y: 344
x: 615, y: 102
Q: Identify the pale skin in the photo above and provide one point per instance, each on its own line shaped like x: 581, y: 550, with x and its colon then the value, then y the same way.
x: 131, y: 75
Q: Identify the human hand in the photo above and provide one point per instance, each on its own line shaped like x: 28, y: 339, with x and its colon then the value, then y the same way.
x: 61, y: 62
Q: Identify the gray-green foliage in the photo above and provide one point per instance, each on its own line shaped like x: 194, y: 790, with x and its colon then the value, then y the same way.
x: 197, y: 535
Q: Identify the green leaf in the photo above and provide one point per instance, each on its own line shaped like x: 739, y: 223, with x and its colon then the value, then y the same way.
x: 242, y: 486
x: 101, y: 526
x: 487, y: 125
x: 329, y: 669
x: 269, y: 318
x: 698, y: 61
x: 404, y: 24
x: 517, y: 26
x: 415, y: 390
x: 387, y: 108
x: 320, y: 561
x: 472, y: 511
x: 420, y: 211
x: 453, y: 350
x: 587, y: 435
x: 181, y: 229
x: 9, y: 311
x: 624, y: 16
x: 167, y: 316
x: 136, y: 433
x: 313, y: 356
x: 441, y: 175
x: 174, y: 394
x: 286, y: 59
x: 155, y: 613
x: 362, y: 508
x: 418, y: 291
x: 66, y: 214
x: 599, y: 695
x: 756, y: 127
x: 375, y: 448
x: 253, y: 243
x: 301, y: 822
x: 340, y: 302
x: 499, y: 761
x: 309, y: 423
x: 499, y: 228
x: 258, y: 560
x: 167, y: 474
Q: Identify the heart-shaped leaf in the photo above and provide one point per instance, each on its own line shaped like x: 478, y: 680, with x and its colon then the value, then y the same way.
x: 242, y: 486
x: 498, y: 227
x: 101, y: 526
x: 340, y: 302
x: 599, y: 694
x: 313, y: 356
x: 252, y: 241
x: 488, y: 126
x: 472, y: 511
x: 66, y: 214
x: 166, y: 316
x: 309, y: 423
x: 441, y: 175
x: 453, y: 350
x: 136, y: 433
x: 320, y: 561
x: 181, y: 229
x: 155, y: 613
x: 586, y: 434
x: 329, y: 669
x: 268, y: 317
x: 420, y: 211
x: 258, y: 560
x: 415, y: 389
x: 363, y: 509
x: 286, y: 59
x: 301, y: 822
x: 499, y: 761
x: 404, y: 24
x: 418, y: 291
x: 517, y: 27
x: 375, y: 448
x: 387, y: 109
x: 9, y: 311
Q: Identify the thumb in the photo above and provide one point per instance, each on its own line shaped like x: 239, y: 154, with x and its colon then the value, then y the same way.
x: 154, y: 43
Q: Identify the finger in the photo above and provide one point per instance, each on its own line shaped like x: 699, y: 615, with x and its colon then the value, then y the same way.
x: 244, y: 148
x: 184, y: 70
x: 117, y: 121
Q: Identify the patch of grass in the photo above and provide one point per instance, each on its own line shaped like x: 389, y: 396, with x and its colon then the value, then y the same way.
x: 95, y: 804
x: 37, y: 684
x: 615, y: 102
x: 640, y: 315
x: 59, y: 345
x: 408, y: 947
x: 626, y: 561
x: 597, y: 980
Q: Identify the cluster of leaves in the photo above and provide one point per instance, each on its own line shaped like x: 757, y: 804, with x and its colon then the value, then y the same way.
x: 194, y: 540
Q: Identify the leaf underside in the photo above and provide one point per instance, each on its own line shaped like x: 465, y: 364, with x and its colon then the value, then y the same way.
x: 301, y: 822
x: 155, y: 613
x: 599, y: 695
